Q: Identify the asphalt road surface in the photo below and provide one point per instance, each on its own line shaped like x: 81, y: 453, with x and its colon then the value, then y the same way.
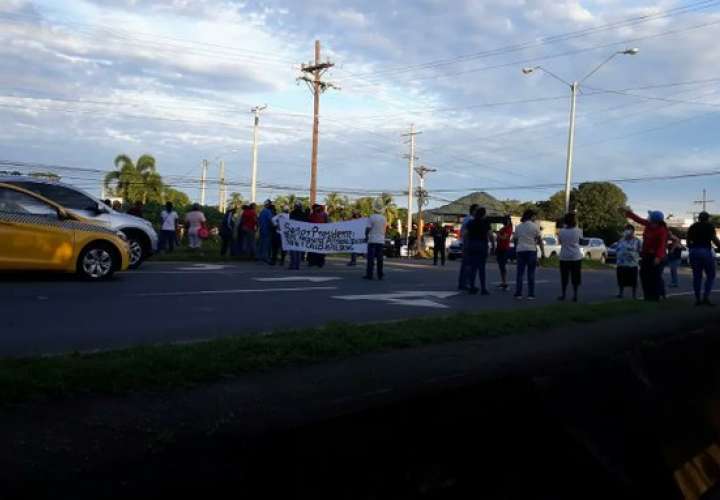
x: 168, y: 302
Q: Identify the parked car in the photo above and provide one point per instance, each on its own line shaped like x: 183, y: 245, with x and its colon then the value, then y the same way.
x: 551, y: 246
x: 141, y: 236
x: 593, y: 249
x: 455, y: 250
x: 685, y: 256
x: 37, y: 234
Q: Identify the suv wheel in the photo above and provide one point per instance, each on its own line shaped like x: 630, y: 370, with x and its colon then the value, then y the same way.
x: 603, y: 259
x: 137, y: 252
x: 97, y: 262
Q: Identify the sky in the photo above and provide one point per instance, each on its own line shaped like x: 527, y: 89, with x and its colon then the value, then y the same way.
x: 83, y: 81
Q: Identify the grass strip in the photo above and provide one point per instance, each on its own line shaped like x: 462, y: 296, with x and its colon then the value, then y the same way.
x: 554, y: 262
x: 181, y: 365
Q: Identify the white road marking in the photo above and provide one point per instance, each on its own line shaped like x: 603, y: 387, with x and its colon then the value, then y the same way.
x: 682, y: 294
x: 405, y: 298
x: 236, y: 291
x: 311, y: 279
x: 202, y: 267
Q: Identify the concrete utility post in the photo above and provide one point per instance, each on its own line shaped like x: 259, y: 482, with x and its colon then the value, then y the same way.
x: 313, y: 77
x: 411, y: 168
x: 704, y: 201
x: 203, y: 181
x: 422, y: 171
x: 222, y: 195
x: 256, y: 125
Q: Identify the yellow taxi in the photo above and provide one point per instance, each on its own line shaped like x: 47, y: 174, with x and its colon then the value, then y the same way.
x: 37, y: 234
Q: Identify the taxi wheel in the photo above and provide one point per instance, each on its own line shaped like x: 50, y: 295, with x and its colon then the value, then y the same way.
x: 137, y: 252
x: 97, y: 261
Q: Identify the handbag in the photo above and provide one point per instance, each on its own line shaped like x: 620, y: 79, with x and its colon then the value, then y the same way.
x: 203, y: 233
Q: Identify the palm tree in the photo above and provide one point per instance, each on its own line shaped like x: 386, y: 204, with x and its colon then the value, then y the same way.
x: 236, y: 200
x: 134, y: 181
x: 391, y: 209
x: 336, y: 206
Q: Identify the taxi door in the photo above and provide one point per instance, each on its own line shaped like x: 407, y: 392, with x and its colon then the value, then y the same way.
x: 32, y: 236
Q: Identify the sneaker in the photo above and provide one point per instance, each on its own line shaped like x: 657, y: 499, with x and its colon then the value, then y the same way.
x: 531, y: 297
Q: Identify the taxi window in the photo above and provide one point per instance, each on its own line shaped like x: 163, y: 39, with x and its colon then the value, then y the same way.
x: 61, y: 195
x: 13, y: 202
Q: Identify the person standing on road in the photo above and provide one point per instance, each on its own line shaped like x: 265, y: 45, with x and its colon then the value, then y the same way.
x: 479, y: 236
x: 298, y: 213
x: 397, y: 244
x: 439, y: 235
x: 168, y: 229
x: 194, y: 220
x: 527, y: 238
x: 375, y: 232
x: 278, y: 221
x: 627, y: 257
x: 502, y: 249
x: 653, y: 253
x: 700, y: 238
x: 317, y: 216
x: 136, y: 209
x: 464, y: 275
x: 265, y: 228
x: 570, y: 256
x: 354, y: 256
x: 227, y: 227
x: 673, y: 259
x: 248, y: 227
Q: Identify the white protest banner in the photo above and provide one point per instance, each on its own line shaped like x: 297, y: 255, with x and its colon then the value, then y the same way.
x: 334, y: 237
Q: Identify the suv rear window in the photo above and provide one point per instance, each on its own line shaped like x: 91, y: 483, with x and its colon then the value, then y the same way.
x: 61, y: 195
x: 584, y: 242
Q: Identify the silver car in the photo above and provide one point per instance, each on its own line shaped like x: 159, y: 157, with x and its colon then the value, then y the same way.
x: 142, y: 238
x: 593, y: 249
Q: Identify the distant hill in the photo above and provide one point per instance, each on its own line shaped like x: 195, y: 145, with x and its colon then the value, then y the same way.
x: 461, y: 206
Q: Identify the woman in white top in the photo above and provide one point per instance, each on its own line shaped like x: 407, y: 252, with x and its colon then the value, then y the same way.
x: 570, y: 256
x: 194, y: 220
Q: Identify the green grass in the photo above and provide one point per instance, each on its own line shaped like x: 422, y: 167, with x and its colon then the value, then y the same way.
x: 210, y: 252
x: 554, y: 262
x: 181, y: 365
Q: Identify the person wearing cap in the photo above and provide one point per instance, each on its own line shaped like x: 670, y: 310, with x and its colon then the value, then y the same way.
x: 375, y: 233
x: 653, y: 253
x: 265, y: 227
x: 700, y: 238
x: 278, y: 221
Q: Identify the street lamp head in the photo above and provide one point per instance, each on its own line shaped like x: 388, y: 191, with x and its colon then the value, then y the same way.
x: 630, y: 52
x: 527, y: 71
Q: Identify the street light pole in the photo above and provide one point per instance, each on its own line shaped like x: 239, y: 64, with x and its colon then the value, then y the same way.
x: 571, y: 145
x: 574, y: 88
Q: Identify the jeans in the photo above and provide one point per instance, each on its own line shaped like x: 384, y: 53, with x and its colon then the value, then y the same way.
x: 277, y: 250
x: 295, y: 258
x: 438, y: 250
x: 674, y: 264
x: 353, y: 259
x: 167, y: 240
x: 193, y: 238
x: 651, y: 277
x: 374, y: 253
x: 464, y: 276
x: 225, y: 244
x: 702, y: 261
x: 264, y: 247
x: 526, y: 260
x: 477, y: 258
x: 248, y: 242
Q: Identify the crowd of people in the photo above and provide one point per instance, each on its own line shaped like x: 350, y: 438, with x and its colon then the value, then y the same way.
x: 638, y: 262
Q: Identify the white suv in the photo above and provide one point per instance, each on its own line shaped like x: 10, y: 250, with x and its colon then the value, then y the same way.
x: 593, y: 249
x: 142, y: 238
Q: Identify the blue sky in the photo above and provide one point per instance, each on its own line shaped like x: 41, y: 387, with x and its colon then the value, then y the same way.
x: 83, y: 81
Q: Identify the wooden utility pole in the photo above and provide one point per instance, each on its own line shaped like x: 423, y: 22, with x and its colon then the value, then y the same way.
x: 222, y: 195
x: 203, y: 181
x: 313, y: 78
x: 256, y: 124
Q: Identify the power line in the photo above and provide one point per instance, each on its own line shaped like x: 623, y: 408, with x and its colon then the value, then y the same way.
x: 697, y: 6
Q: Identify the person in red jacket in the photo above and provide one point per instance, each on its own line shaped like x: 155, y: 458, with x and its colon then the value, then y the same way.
x: 653, y: 252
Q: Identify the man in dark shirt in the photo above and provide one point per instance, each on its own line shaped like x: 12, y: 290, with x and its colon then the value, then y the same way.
x: 700, y: 237
x: 439, y: 234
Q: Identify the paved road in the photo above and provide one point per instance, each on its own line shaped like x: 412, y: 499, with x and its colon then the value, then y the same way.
x: 183, y: 301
